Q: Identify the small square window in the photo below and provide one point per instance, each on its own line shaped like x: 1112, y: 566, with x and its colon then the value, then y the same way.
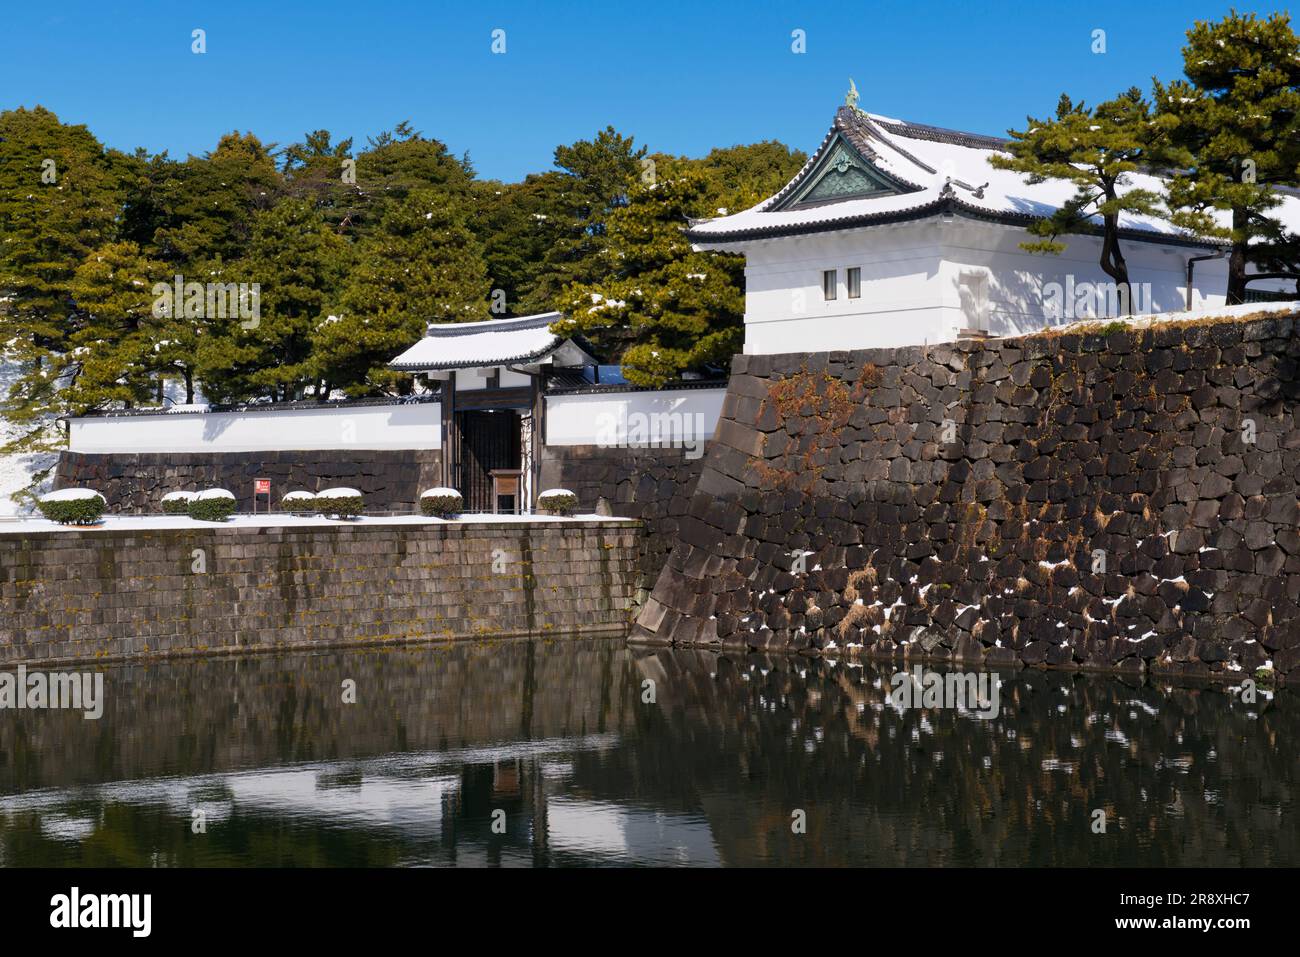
x: 829, y: 282
x: 855, y: 283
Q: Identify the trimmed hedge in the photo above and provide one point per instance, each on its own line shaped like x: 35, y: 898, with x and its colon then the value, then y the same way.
x: 72, y: 510
x: 299, y: 503
x: 210, y: 507
x: 339, y: 502
x: 557, y: 501
x: 441, y: 502
x: 177, y: 503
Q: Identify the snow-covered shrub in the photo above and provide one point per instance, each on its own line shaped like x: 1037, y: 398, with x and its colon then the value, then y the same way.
x: 177, y: 503
x: 557, y: 501
x: 212, y: 505
x: 339, y: 502
x: 299, y: 503
x: 72, y: 506
x: 442, y: 502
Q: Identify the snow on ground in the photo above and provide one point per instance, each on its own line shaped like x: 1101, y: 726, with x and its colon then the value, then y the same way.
x: 18, y: 471
x: 136, y: 523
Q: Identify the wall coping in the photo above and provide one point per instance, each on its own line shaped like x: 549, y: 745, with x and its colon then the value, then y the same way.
x: 118, y: 526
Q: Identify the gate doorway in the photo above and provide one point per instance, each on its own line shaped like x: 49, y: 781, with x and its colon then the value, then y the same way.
x: 487, y: 441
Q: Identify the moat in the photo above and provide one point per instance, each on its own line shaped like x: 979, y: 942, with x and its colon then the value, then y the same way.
x: 552, y: 753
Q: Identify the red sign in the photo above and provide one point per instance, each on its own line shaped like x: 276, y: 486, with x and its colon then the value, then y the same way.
x: 261, y: 486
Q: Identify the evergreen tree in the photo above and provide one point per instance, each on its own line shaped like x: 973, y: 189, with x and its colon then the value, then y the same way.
x: 203, y: 209
x: 661, y: 307
x: 422, y: 264
x: 316, y: 170
x: 59, y: 196
x: 397, y: 163
x: 1236, y: 119
x: 297, y: 262
x: 743, y: 176
x: 658, y: 306
x: 1096, y: 150
x: 597, y: 174
x: 518, y: 223
x: 60, y: 192
x: 107, y: 359
x: 112, y: 361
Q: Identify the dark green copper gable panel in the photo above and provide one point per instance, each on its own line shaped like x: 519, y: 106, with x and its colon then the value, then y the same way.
x: 842, y: 174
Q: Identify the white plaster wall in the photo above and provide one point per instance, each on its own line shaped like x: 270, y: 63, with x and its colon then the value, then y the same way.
x: 416, y: 426
x: 613, y: 418
x: 901, y: 301
x: 467, y: 380
x: 913, y: 290
x: 1018, y: 281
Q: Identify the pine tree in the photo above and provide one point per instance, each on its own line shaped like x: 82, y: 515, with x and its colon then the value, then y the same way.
x: 297, y: 262
x: 59, y: 194
x: 662, y: 307
x: 598, y: 176
x: 324, y: 173
x: 1096, y: 150
x: 203, y: 209
x: 518, y: 224
x: 1236, y: 119
x: 108, y: 359
x: 422, y: 264
x: 112, y: 360
x: 395, y: 164
x: 657, y: 305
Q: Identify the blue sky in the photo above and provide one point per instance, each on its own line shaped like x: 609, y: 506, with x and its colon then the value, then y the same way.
x: 682, y: 77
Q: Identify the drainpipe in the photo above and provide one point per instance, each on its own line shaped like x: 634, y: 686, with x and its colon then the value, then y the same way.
x: 1191, y: 265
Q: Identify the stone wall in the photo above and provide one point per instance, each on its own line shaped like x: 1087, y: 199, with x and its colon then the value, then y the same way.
x: 135, y: 483
x: 650, y: 484
x: 1102, y: 499
x: 115, y: 593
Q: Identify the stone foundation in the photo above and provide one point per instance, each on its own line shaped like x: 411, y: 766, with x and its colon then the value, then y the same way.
x: 1116, y: 500
x: 651, y: 484
x: 134, y: 483
x: 70, y: 595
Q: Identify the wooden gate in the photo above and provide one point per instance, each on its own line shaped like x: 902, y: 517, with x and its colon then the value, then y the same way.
x: 488, y: 440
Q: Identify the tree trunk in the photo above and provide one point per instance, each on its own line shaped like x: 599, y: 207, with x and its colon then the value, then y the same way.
x: 1237, y: 259
x: 189, y: 387
x: 1113, y: 264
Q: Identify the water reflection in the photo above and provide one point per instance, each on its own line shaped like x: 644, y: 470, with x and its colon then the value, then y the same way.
x: 544, y: 753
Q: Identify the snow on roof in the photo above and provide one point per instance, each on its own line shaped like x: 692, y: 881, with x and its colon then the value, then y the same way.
x: 935, y: 170
x: 494, y: 342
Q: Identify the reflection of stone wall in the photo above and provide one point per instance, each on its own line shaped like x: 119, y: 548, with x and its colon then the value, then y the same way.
x: 953, y: 502
x: 733, y: 742
x: 1186, y: 776
x: 87, y: 594
x: 652, y: 484
x: 136, y: 482
x: 200, y: 716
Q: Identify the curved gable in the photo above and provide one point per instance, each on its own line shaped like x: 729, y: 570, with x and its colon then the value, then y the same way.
x: 841, y: 173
